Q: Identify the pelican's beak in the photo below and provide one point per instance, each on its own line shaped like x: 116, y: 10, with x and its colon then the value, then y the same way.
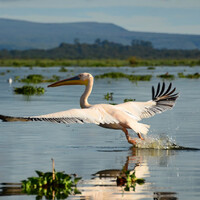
x: 70, y: 81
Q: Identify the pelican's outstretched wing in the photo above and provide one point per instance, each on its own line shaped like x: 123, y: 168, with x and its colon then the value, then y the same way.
x: 162, y: 100
x: 96, y: 115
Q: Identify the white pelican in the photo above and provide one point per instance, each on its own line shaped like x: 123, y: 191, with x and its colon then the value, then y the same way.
x: 122, y: 116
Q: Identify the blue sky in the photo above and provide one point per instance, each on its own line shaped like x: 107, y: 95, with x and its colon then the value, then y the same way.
x: 168, y: 16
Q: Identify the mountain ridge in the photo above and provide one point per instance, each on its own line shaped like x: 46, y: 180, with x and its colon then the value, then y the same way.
x: 22, y: 34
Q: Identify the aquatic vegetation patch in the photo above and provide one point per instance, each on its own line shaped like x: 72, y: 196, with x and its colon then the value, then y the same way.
x: 29, y: 90
x: 166, y: 76
x: 127, y: 100
x: 63, y: 69
x: 134, y: 61
x: 38, y: 78
x: 54, y: 78
x: 57, y: 184
x: 51, y: 185
x: 129, y: 180
x: 114, y: 75
x: 64, y: 62
x: 189, y: 76
x: 2, y: 73
x: 151, y: 68
x: 117, y: 75
x: 135, y: 78
x: 113, y: 104
x: 99, y: 62
x: 109, y: 96
x: 32, y: 78
x: 16, y: 78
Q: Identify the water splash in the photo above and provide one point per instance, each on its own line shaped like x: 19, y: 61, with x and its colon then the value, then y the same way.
x: 157, y: 142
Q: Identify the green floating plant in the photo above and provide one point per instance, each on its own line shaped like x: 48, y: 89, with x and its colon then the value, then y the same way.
x: 190, y: 76
x: 109, y: 96
x: 29, y: 90
x: 135, y: 78
x: 32, y: 78
x: 38, y: 78
x: 166, y: 76
x: 151, y: 68
x: 63, y: 69
x: 2, y: 73
x: 117, y: 75
x: 129, y: 180
x: 51, y: 185
x: 127, y: 100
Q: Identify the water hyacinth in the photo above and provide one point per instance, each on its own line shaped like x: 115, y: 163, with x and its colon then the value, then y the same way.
x: 29, y: 90
x: 38, y: 78
x: 49, y: 184
x: 109, y: 96
x: 63, y: 69
x: 129, y: 180
x: 128, y: 99
x: 117, y: 75
x: 166, y: 76
x: 189, y: 76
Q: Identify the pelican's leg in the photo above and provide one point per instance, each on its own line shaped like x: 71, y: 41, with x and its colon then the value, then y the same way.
x: 139, y: 135
x: 131, y: 141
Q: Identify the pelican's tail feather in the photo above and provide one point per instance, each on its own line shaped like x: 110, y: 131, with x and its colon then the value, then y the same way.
x: 144, y: 128
x: 139, y: 127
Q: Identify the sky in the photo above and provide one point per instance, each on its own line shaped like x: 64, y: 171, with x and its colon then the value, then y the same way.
x: 162, y: 16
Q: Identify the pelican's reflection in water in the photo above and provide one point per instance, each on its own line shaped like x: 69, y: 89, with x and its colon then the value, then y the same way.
x: 103, y: 185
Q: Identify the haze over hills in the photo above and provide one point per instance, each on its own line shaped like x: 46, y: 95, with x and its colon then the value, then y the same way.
x: 17, y: 34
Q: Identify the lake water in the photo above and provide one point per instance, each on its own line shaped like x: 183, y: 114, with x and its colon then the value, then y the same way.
x: 95, y: 153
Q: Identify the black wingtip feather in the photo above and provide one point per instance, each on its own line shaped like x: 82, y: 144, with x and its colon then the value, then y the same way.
x: 163, y: 89
x: 5, y: 118
x: 168, y: 89
x: 158, y: 89
x: 153, y: 92
x: 163, y: 100
x: 162, y: 95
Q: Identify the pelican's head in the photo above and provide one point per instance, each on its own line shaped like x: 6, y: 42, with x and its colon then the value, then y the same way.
x: 81, y: 79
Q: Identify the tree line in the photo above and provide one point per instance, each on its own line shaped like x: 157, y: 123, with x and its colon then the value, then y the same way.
x: 101, y: 49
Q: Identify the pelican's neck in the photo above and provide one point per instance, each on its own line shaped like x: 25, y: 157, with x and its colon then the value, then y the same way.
x: 84, y: 98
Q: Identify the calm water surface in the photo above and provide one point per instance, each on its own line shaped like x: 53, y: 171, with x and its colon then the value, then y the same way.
x: 93, y: 152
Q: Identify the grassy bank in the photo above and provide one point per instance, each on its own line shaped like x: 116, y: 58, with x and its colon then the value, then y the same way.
x: 51, y: 63
x: 98, y: 63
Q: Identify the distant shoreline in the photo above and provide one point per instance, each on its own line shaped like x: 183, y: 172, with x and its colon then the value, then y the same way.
x: 131, y: 62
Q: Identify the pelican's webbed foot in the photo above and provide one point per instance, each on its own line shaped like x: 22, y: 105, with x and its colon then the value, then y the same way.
x: 139, y: 135
x: 129, y: 139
